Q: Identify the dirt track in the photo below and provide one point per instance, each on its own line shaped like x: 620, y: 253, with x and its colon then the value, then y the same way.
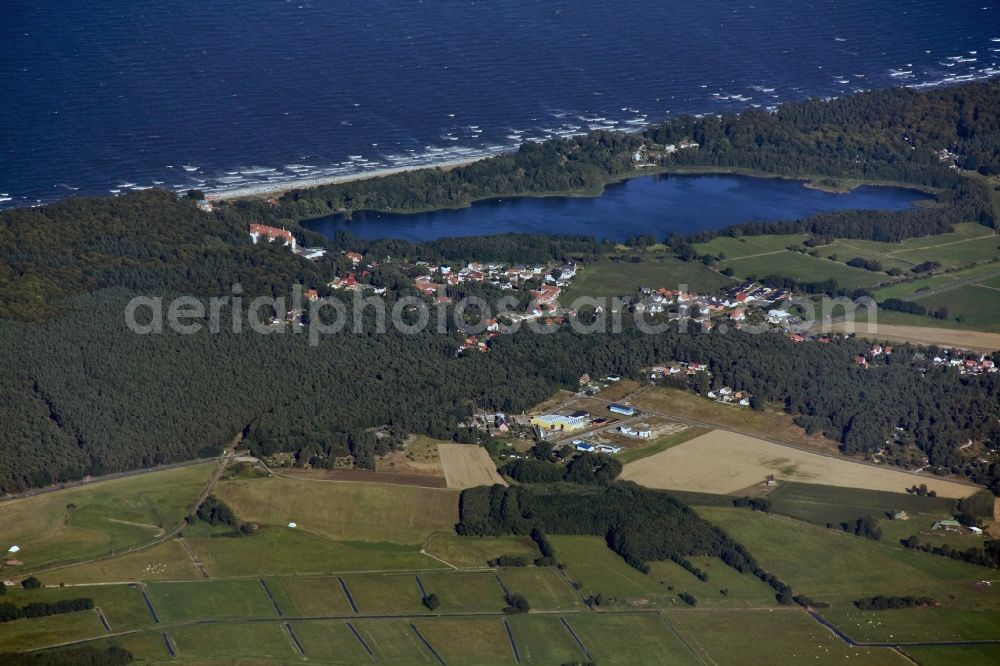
x: 724, y: 462
x: 467, y: 466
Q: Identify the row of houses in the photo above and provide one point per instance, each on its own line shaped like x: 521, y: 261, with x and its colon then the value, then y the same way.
x: 675, y: 369
x: 972, y: 365
x: 502, y: 276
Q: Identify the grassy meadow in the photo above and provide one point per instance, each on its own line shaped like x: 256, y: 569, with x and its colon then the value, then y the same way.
x: 95, y: 519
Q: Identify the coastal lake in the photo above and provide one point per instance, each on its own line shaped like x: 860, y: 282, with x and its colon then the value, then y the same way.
x: 657, y: 205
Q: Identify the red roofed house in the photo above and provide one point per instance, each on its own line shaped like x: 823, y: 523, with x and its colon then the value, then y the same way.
x: 354, y: 257
x: 546, y: 294
x: 311, y: 295
x: 258, y: 231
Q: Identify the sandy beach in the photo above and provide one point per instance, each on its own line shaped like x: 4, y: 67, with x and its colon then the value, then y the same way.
x: 279, y: 188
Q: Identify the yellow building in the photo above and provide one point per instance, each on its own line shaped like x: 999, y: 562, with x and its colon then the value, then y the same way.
x: 560, y: 422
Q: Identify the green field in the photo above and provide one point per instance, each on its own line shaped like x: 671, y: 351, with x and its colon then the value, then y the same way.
x: 308, y: 596
x: 164, y: 561
x: 605, y: 279
x: 972, y: 306
x: 598, y: 570
x: 330, y: 642
x: 469, y: 641
x: 393, y: 642
x: 636, y: 638
x: 830, y: 566
x: 105, y: 516
x: 831, y: 504
x: 774, y: 636
x: 464, y: 592
x: 804, y: 268
x: 972, y: 655
x: 470, y: 552
x: 542, y: 639
x: 53, y: 630
x: 279, y: 550
x: 344, y: 510
x: 383, y: 594
x: 544, y: 588
x: 258, y: 640
x: 745, y: 246
x: 210, y: 600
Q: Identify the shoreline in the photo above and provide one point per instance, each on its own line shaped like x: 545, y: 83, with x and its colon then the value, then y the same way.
x: 278, y: 189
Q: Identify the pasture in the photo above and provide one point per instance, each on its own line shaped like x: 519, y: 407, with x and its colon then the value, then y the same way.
x: 637, y: 638
x: 771, y: 636
x: 97, y: 518
x: 804, y: 268
x: 473, y: 552
x: 257, y: 640
x: 829, y: 565
x: 544, y: 587
x: 344, y: 510
x: 973, y: 306
x: 726, y: 462
x: 210, y: 600
x: 468, y: 465
x: 599, y: 570
x: 164, y: 561
x: 606, y: 279
x: 749, y: 246
x: 833, y: 504
x: 280, y: 550
x: 967, y: 655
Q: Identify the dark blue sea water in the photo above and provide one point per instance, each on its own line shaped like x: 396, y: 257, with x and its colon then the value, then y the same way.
x: 657, y: 205
x: 99, y: 95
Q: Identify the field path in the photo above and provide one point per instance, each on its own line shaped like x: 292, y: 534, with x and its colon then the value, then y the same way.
x: 194, y: 558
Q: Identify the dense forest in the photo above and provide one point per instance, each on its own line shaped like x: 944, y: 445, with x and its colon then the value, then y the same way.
x: 640, y: 524
x: 80, y: 394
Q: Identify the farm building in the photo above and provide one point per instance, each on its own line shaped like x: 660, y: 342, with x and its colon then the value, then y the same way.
x: 946, y: 525
x: 625, y: 410
x: 587, y: 447
x: 559, y: 422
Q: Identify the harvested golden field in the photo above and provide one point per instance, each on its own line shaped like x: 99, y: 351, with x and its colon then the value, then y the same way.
x: 725, y: 462
x: 926, y: 335
x: 467, y: 466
